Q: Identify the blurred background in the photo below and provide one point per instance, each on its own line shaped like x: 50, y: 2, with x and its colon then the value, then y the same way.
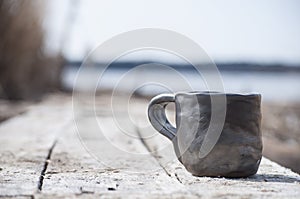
x: 255, y: 45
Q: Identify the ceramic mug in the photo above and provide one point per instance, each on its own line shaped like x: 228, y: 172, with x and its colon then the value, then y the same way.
x: 237, y: 151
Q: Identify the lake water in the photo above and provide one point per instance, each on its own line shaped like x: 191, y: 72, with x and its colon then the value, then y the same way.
x: 274, y: 86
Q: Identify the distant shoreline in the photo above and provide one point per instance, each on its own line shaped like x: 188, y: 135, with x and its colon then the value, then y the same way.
x: 249, y: 67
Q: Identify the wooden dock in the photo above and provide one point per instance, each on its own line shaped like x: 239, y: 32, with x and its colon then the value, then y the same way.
x: 42, y: 156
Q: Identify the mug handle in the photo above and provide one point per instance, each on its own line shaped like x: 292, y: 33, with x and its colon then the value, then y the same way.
x: 157, y: 115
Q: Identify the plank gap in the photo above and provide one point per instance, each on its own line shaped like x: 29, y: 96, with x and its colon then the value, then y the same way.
x: 178, y: 179
x: 45, y: 166
x: 149, y: 150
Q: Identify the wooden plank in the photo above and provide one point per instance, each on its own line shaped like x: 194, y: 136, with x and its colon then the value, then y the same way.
x: 10, y: 109
x: 44, y: 141
x: 25, y: 143
x: 125, y: 166
x: 117, y: 194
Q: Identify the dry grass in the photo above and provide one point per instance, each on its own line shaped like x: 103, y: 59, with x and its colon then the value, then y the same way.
x: 26, y: 72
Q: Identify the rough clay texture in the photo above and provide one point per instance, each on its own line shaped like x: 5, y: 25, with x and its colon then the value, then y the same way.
x: 238, y: 150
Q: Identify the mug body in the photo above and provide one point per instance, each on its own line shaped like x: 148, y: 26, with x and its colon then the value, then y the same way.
x: 237, y: 151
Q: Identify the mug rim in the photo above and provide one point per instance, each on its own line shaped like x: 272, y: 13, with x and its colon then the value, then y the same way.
x: 214, y: 93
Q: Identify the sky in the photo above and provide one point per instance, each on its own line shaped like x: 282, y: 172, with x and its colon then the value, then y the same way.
x: 265, y: 31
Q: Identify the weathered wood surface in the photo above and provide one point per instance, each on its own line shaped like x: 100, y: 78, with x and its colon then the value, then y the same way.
x: 10, y: 109
x: 41, y: 156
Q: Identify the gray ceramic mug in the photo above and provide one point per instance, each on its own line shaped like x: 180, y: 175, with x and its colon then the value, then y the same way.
x: 238, y: 150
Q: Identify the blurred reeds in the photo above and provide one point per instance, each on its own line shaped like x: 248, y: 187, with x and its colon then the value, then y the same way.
x: 26, y: 71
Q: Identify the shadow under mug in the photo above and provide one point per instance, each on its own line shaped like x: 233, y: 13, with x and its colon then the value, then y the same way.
x: 238, y: 149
